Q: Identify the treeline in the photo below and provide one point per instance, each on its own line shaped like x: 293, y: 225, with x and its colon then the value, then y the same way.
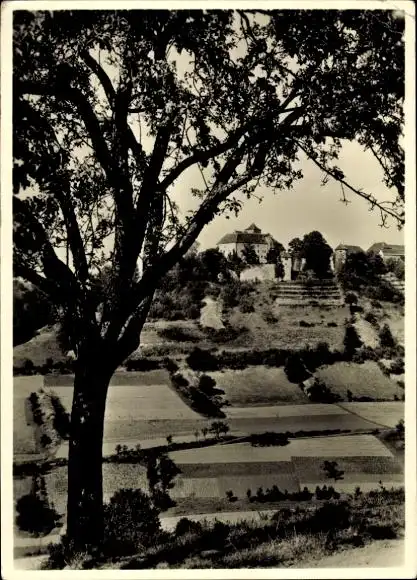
x: 363, y: 273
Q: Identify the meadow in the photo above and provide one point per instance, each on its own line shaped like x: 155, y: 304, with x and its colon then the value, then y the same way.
x: 386, y: 414
x: 257, y: 386
x: 364, y: 380
x: 283, y: 330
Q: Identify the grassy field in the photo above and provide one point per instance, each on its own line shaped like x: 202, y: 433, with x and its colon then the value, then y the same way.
x: 23, y: 432
x: 133, y: 396
x: 387, y: 413
x: 285, y: 411
x: 337, y: 446
x: 285, y: 331
x: 38, y: 349
x: 256, y: 386
x: 300, y: 423
x: 364, y: 380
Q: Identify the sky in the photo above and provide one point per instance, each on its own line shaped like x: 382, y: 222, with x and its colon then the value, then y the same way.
x: 310, y: 206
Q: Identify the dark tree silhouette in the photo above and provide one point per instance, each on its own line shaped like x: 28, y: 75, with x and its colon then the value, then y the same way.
x: 249, y: 255
x: 317, y: 253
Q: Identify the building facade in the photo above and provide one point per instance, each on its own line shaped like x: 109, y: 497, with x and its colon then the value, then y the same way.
x: 341, y: 253
x: 252, y: 236
x: 388, y: 251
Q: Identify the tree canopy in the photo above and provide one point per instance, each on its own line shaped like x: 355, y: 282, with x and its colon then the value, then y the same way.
x: 317, y: 253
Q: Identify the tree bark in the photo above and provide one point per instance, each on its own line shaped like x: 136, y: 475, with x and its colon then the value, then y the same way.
x: 85, y: 482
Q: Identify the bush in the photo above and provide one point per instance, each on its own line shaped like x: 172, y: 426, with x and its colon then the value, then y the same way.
x: 397, y: 367
x: 381, y: 531
x: 269, y: 439
x: 371, y: 318
x: 332, y: 470
x: 385, y: 337
x: 295, y: 369
x: 330, y: 516
x: 226, y: 334
x: 187, y: 526
x: 369, y: 353
x: 177, y: 333
x: 61, y: 420
x: 351, y: 298
x: 202, y: 360
x: 207, y: 385
x: 170, y: 365
x: 351, y: 340
x: 247, y: 304
x: 219, y: 428
x: 332, y: 324
x: 130, y: 522
x: 34, y: 512
x: 142, y: 364
x: 28, y: 367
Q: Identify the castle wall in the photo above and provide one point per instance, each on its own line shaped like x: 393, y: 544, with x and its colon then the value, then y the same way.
x: 261, y: 272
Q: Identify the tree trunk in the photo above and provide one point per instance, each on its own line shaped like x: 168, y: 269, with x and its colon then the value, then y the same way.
x: 85, y: 482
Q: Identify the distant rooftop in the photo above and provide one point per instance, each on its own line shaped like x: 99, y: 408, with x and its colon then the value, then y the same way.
x: 388, y: 249
x: 253, y: 228
x: 251, y: 235
x: 349, y: 248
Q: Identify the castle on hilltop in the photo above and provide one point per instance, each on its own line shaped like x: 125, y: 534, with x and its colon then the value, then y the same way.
x: 235, y: 243
x: 252, y: 236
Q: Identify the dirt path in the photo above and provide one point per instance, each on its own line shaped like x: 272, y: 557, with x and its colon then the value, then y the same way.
x: 379, y: 554
x: 211, y: 314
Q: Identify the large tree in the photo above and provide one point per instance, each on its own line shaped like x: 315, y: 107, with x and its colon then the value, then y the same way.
x: 112, y: 108
x: 317, y: 253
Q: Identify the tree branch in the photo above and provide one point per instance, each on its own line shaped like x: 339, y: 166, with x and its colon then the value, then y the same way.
x: 367, y: 196
x: 53, y: 267
x: 108, y: 88
x: 76, y: 97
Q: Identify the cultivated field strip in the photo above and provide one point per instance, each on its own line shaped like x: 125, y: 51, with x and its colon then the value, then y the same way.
x: 196, y: 470
x: 366, y: 465
x: 136, y: 379
x: 23, y: 431
x: 300, y: 423
x: 129, y: 403
x: 384, y: 413
x: 347, y: 446
x: 235, y: 453
x: 200, y: 487
x: 122, y: 429
x: 285, y: 411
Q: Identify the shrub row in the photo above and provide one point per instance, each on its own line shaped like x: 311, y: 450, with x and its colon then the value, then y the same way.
x: 59, y: 367
x: 199, y: 401
x: 275, y: 494
x: 207, y: 360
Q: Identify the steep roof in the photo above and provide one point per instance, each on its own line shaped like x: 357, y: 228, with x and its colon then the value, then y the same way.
x: 243, y: 238
x: 254, y: 228
x: 388, y: 249
x: 349, y: 248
